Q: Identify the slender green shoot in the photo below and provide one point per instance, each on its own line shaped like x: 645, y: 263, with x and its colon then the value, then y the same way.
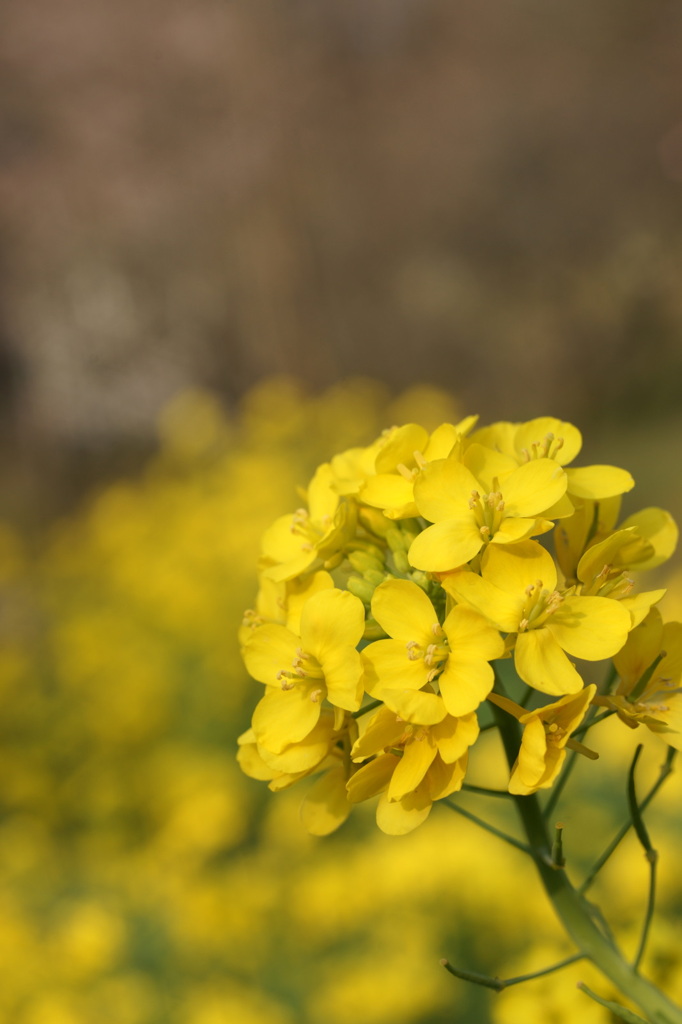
x: 498, y: 984
x: 651, y: 855
x: 665, y: 771
x: 516, y: 843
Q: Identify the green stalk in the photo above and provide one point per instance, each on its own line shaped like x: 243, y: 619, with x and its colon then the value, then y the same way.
x: 573, y: 910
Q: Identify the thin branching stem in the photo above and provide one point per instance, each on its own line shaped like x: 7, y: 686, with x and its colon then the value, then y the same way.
x: 498, y: 984
x: 666, y: 769
x: 469, y: 788
x: 490, y: 828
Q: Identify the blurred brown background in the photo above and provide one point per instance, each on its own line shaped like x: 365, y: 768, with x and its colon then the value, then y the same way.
x: 482, y: 195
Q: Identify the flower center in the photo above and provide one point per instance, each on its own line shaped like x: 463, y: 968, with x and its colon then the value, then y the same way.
x: 547, y: 448
x: 410, y: 474
x: 488, y: 511
x: 434, y: 654
x: 310, y: 532
x: 554, y: 732
x: 303, y: 666
x: 539, y: 605
x: 610, y: 582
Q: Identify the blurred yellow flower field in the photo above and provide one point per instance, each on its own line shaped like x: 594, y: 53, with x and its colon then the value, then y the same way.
x: 144, y: 879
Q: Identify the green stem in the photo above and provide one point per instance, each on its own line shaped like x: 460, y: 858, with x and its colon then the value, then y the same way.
x: 516, y: 843
x: 665, y: 771
x: 572, y: 909
x: 498, y: 984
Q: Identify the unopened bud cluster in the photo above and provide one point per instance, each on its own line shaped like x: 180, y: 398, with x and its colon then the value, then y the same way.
x: 416, y: 564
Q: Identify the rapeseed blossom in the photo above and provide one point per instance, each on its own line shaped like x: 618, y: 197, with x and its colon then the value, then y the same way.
x: 421, y: 564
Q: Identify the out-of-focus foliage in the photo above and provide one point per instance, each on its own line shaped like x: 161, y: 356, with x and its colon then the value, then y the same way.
x: 143, y: 878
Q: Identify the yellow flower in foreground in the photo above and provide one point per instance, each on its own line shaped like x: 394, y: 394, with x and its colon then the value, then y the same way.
x: 474, y: 504
x: 309, y: 538
x: 517, y: 592
x: 414, y: 765
x: 324, y: 751
x: 590, y: 540
x: 405, y: 453
x: 650, y: 669
x: 548, y: 438
x: 453, y: 658
x: 543, y: 746
x: 302, y: 671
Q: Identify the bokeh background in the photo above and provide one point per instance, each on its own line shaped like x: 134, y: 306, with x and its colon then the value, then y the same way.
x: 236, y: 237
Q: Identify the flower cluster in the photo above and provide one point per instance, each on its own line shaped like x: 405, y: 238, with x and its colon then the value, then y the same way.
x: 412, y: 566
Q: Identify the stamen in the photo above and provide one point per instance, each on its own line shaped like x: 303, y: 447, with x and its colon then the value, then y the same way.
x: 316, y: 696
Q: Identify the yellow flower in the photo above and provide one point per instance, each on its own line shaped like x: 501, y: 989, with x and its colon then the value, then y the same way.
x: 412, y: 765
x: 325, y: 806
x: 282, y: 602
x: 454, y: 657
x: 309, y: 538
x: 545, y: 736
x: 478, y: 502
x: 300, y: 671
x: 650, y: 670
x: 589, y: 541
x: 517, y: 592
x: 548, y: 438
x: 402, y: 457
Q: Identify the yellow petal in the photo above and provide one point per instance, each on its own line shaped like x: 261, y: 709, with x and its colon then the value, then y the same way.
x: 659, y: 528
x: 643, y: 644
x: 331, y: 619
x: 372, y: 778
x: 486, y: 464
x: 323, y: 499
x: 389, y: 491
x: 542, y: 664
x: 298, y: 592
x: 400, y: 446
x: 253, y: 765
x: 640, y: 605
x: 471, y: 637
x: 326, y: 804
x: 454, y: 736
x: 397, y: 818
x: 610, y: 551
x: 387, y: 664
x: 514, y: 529
x: 446, y: 545
x: 382, y: 731
x: 417, y: 756
x: 503, y: 609
x: 443, y: 489
x: 404, y: 611
x: 519, y: 566
x: 596, y: 482
x: 531, y: 762
x: 533, y: 487
x: 443, y: 779
x: 270, y: 649
x: 444, y: 438
x: 305, y: 754
x: 282, y: 717
x: 343, y: 675
x: 280, y: 543
x: 535, y: 432
x: 464, y: 683
x: 415, y: 706
x: 590, y: 627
